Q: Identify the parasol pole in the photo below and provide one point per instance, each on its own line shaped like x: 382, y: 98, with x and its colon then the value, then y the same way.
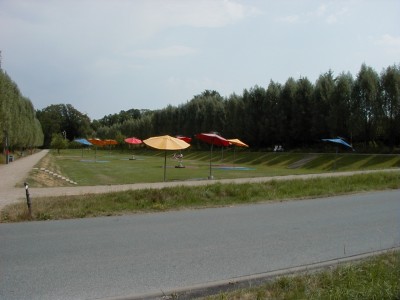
x: 165, y: 164
x: 337, y: 150
x: 234, y: 154
x: 211, y: 177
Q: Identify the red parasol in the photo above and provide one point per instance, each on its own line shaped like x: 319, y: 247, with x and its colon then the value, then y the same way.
x: 133, y: 141
x: 184, y: 138
x: 213, y: 139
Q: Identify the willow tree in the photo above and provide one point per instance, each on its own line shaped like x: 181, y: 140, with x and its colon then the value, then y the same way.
x: 18, y: 122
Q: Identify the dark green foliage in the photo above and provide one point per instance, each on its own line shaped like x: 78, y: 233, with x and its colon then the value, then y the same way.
x: 19, y: 127
x: 297, y: 114
x: 58, y: 142
x: 63, y: 119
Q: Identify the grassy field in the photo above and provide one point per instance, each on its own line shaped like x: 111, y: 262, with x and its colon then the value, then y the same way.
x: 374, y: 278
x: 114, y: 167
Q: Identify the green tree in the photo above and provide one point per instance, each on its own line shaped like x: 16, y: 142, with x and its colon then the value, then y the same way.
x: 390, y: 93
x: 63, y: 118
x: 18, y: 121
x: 271, y: 123
x: 58, y: 142
x: 339, y: 114
x: 302, y: 112
x: 235, y: 121
x: 255, y: 114
x: 321, y: 102
x: 285, y: 112
x: 366, y: 109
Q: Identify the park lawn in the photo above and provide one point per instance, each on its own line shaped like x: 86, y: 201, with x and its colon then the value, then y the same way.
x: 109, y: 167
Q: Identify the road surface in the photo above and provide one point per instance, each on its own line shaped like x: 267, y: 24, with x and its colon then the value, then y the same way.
x: 149, y: 253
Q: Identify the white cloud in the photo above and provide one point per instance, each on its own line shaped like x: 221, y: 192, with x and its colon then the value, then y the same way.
x: 289, y: 19
x: 336, y: 15
x: 207, y: 13
x: 321, y: 10
x: 390, y: 43
x: 171, y: 51
x: 327, y: 13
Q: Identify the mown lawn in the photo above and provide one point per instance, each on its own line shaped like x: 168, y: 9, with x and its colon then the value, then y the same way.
x: 105, y: 167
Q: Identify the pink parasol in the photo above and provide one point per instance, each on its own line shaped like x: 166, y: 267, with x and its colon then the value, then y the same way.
x: 133, y: 141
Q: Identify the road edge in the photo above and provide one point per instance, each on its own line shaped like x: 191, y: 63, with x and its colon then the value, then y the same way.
x: 212, y: 288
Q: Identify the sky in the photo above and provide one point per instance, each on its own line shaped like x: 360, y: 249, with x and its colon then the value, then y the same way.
x: 104, y: 56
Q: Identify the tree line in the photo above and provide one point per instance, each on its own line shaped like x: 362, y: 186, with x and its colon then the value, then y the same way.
x: 365, y: 110
x: 19, y: 126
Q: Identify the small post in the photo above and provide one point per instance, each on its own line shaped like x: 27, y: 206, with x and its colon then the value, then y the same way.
x: 28, y: 199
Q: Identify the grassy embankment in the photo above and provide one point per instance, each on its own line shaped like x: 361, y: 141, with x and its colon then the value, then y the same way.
x: 113, y: 167
x: 374, y: 278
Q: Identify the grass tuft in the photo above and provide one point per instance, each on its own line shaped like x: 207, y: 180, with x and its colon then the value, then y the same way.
x: 374, y: 278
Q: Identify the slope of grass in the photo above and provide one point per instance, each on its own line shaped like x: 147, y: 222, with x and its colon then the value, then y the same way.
x: 196, y: 197
x: 113, y: 167
x: 374, y: 278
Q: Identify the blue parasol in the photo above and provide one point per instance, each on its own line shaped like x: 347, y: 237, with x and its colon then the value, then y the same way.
x: 338, y: 141
x: 83, y: 141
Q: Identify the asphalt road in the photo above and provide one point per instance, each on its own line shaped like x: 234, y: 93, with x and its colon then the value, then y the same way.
x: 131, y: 255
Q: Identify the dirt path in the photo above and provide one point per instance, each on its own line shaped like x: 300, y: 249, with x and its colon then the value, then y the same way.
x: 16, y: 172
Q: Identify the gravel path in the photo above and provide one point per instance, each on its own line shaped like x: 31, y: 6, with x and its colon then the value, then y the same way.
x: 14, y: 173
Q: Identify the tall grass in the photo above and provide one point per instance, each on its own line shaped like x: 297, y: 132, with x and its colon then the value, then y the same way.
x: 180, y: 197
x: 375, y: 278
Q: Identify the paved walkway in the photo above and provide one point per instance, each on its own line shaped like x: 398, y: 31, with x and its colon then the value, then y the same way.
x: 13, y: 175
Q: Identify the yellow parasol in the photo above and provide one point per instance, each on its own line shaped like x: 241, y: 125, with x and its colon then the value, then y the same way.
x: 166, y: 142
x: 237, y: 142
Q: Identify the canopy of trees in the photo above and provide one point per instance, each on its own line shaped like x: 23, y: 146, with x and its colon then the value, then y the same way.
x: 298, y: 113
x: 365, y: 110
x: 63, y: 119
x: 19, y: 127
